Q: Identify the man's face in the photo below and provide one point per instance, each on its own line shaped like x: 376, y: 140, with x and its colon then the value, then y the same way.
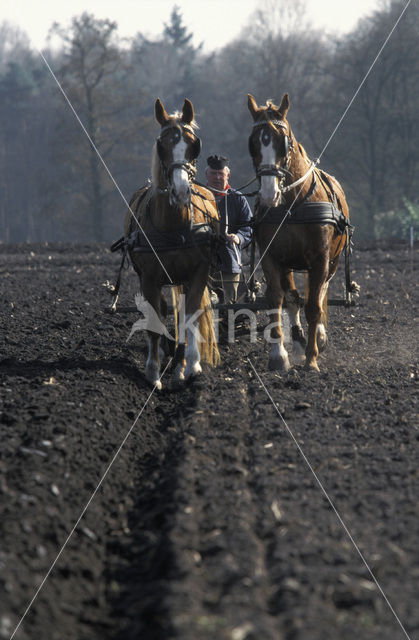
x: 218, y: 178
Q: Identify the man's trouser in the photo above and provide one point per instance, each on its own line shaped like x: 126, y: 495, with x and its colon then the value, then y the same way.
x: 229, y: 282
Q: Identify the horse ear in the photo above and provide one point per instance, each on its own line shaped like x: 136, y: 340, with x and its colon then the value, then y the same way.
x: 252, y: 106
x: 284, y: 106
x: 187, y: 112
x: 160, y: 112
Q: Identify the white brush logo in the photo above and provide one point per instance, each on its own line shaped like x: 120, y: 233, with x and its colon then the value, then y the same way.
x: 150, y: 322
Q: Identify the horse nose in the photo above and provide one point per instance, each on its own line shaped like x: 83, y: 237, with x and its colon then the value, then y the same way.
x: 269, y: 193
x: 181, y: 186
x: 185, y: 192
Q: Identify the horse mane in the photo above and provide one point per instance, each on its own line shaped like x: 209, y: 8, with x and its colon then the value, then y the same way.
x: 155, y: 162
x: 177, y: 115
x: 155, y: 167
x: 303, y: 152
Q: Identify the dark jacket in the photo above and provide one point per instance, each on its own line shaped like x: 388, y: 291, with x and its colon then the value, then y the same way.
x: 239, y: 215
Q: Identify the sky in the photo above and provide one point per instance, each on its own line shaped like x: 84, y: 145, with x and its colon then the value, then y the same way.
x: 213, y: 22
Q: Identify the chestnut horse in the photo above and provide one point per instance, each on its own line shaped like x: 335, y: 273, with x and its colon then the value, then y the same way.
x: 301, y: 220
x: 171, y: 239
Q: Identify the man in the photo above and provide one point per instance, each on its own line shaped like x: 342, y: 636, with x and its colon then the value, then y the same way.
x: 235, y: 232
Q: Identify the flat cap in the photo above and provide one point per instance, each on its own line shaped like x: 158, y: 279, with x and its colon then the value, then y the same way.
x: 217, y: 162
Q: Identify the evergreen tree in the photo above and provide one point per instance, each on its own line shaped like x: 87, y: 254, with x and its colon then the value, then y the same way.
x: 176, y: 32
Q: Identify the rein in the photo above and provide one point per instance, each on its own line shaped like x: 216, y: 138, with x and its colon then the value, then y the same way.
x: 302, y: 179
x: 247, y: 195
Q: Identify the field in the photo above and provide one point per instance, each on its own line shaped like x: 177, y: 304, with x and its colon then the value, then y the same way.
x: 210, y: 524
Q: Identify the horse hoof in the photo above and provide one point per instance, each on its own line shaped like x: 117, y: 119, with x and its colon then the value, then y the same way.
x: 313, y: 367
x: 299, y: 355
x: 278, y: 364
x: 153, y: 377
x: 299, y: 343
x: 178, y: 375
x: 156, y: 384
x: 194, y: 370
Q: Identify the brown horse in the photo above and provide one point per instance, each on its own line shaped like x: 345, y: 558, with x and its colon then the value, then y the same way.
x: 170, y: 231
x: 301, y: 221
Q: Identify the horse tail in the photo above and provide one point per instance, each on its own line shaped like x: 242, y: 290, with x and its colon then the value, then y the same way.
x: 208, y: 346
x: 176, y: 296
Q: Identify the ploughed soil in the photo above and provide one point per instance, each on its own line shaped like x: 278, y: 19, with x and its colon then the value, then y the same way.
x: 208, y: 514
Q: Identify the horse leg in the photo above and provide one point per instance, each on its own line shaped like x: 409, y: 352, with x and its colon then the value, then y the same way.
x: 192, y: 355
x: 293, y: 301
x: 321, y: 329
x: 321, y: 335
x: 152, y: 370
x: 313, y: 311
x: 187, y: 354
x: 179, y: 362
x: 166, y: 348
x: 278, y: 356
x: 192, y: 312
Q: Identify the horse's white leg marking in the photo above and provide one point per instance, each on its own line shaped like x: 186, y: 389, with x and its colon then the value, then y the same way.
x: 321, y: 337
x: 269, y: 184
x: 152, y: 369
x: 180, y: 179
x: 278, y: 357
x: 178, y: 373
x: 192, y: 355
x: 321, y: 329
x: 297, y: 333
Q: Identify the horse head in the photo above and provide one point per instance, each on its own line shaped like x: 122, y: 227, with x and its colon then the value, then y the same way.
x: 177, y: 149
x: 270, y: 147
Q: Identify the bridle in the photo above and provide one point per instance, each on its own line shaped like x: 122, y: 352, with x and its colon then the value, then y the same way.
x: 188, y: 166
x: 282, y: 171
x: 273, y: 169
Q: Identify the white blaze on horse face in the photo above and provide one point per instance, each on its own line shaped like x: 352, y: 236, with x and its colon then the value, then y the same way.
x: 269, y: 190
x: 180, y: 178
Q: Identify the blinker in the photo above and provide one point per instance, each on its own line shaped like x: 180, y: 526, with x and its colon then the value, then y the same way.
x: 196, y: 148
x: 286, y: 145
x: 160, y: 149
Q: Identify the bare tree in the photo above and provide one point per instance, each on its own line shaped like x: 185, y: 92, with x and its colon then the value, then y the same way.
x: 376, y: 147
x: 92, y: 74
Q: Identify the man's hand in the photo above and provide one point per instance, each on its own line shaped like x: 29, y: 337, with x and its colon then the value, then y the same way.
x: 232, y: 238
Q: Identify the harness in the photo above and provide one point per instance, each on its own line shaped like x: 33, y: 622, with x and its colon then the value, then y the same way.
x: 192, y: 235
x: 155, y: 240
x: 305, y: 213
